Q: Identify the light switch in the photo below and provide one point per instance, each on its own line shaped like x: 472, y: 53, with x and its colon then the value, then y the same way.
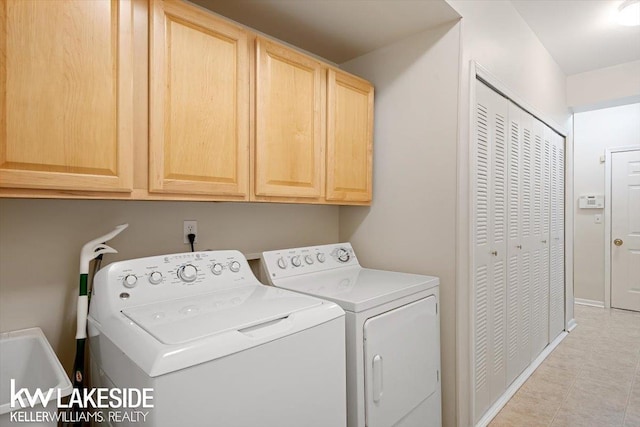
x: 597, y: 218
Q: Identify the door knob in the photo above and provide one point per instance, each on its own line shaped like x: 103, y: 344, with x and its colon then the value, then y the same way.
x: 618, y: 242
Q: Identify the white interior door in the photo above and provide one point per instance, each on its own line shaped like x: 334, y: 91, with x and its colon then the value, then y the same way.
x: 519, y: 242
x: 625, y: 230
x: 556, y: 257
x: 402, y: 357
x: 514, y: 322
x: 489, y: 189
x: 540, y: 242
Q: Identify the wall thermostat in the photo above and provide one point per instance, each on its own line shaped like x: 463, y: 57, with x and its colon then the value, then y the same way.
x: 591, y: 202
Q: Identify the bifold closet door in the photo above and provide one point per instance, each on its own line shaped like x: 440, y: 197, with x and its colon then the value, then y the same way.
x: 489, y: 232
x: 556, y: 271
x: 540, y: 241
x: 520, y: 240
x: 517, y: 234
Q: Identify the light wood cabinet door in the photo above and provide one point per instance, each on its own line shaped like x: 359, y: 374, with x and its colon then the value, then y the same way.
x: 349, y: 138
x: 66, y: 104
x: 290, y: 123
x: 199, y: 103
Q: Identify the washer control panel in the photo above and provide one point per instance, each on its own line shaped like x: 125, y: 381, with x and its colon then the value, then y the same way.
x: 312, y: 259
x: 146, y: 280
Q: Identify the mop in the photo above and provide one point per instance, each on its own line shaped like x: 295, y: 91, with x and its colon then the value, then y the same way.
x: 90, y: 251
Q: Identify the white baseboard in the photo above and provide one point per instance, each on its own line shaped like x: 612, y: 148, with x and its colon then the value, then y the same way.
x: 518, y: 382
x: 589, y: 302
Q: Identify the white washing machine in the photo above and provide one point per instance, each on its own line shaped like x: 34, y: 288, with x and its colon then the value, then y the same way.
x: 217, y: 347
x: 392, y: 332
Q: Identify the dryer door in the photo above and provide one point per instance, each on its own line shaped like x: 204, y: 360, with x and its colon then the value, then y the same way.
x: 402, y: 355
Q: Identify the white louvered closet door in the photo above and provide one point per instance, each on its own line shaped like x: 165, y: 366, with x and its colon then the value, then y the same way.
x: 556, y: 271
x: 519, y: 242
x: 540, y: 242
x: 489, y: 231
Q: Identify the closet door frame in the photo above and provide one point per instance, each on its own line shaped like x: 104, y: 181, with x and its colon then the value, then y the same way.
x: 465, y: 265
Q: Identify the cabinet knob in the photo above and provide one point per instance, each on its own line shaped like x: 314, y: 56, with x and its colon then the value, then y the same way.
x: 494, y: 253
x: 519, y: 246
x: 618, y: 242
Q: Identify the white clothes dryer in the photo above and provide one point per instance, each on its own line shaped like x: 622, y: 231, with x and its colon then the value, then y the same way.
x: 392, y: 332
x: 217, y: 347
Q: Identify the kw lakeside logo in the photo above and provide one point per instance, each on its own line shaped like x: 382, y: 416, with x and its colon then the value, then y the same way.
x: 123, y: 404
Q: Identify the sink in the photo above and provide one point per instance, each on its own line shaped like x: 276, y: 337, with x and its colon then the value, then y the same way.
x: 27, y: 357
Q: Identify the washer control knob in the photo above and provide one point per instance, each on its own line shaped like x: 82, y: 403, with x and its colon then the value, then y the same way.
x: 343, y: 255
x: 321, y: 257
x: 308, y: 259
x: 188, y: 273
x: 296, y: 261
x: 234, y: 266
x: 282, y: 263
x: 155, y: 278
x: 130, y: 281
x: 216, y: 269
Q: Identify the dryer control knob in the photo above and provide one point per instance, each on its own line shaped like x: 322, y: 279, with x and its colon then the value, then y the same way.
x: 282, y: 263
x: 321, y: 257
x: 235, y: 266
x: 155, y: 278
x: 130, y: 281
x: 296, y: 261
x: 308, y: 259
x: 188, y: 273
x: 216, y: 269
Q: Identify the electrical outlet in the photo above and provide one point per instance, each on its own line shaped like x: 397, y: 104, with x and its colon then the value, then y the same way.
x: 190, y: 226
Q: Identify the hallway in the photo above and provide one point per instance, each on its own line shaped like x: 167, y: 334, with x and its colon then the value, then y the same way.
x: 591, y: 379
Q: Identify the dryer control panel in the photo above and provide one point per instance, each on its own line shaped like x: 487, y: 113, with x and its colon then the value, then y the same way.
x: 312, y: 259
x: 147, y: 280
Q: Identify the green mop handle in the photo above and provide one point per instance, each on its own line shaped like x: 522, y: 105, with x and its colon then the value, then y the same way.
x: 81, y: 333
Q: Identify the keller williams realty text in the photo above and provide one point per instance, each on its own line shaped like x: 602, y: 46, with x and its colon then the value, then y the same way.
x: 76, y: 417
x: 102, y: 398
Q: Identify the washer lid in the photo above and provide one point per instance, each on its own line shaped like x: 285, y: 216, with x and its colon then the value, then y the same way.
x: 192, y: 318
x: 357, y: 289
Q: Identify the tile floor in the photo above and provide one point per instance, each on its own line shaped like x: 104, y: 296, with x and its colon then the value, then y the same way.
x: 591, y: 379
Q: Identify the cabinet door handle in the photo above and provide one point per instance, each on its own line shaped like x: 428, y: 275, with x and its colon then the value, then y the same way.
x: 543, y: 241
x: 494, y: 253
x: 519, y: 246
x: 377, y: 378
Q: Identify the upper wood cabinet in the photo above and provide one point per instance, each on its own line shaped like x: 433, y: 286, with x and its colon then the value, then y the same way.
x: 199, y: 103
x: 290, y: 123
x: 66, y: 105
x: 349, y: 138
x: 163, y: 100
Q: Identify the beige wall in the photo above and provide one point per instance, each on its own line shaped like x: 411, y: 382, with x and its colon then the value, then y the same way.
x: 496, y: 37
x: 605, y: 87
x: 411, y: 224
x: 595, y: 131
x: 40, y: 242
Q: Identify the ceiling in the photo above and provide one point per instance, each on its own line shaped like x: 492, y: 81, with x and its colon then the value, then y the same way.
x: 581, y: 35
x: 336, y: 30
